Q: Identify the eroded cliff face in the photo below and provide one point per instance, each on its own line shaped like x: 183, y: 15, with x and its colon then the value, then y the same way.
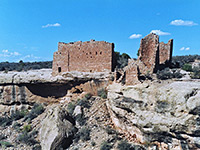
x: 164, y: 115
x: 153, y: 115
x: 39, y: 85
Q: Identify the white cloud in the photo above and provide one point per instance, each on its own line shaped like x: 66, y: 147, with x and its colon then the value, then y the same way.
x: 185, y: 48
x: 182, y: 48
x: 159, y: 32
x: 135, y: 36
x: 6, y: 53
x: 188, y: 48
x: 30, y: 57
x: 181, y: 22
x: 51, y: 25
x: 16, y: 54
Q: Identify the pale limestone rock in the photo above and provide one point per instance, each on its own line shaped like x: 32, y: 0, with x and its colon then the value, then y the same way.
x: 44, y: 76
x: 148, y: 111
x: 54, y: 128
x: 77, y: 111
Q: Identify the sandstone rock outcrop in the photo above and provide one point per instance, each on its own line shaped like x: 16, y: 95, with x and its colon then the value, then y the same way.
x: 56, y: 129
x: 44, y: 76
x: 167, y: 114
x: 40, y: 86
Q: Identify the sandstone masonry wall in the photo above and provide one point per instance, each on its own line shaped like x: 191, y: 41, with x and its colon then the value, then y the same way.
x: 165, y: 52
x: 90, y: 56
x: 152, y: 56
x: 148, y: 52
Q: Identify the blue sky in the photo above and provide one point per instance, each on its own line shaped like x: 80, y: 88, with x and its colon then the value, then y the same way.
x: 31, y: 29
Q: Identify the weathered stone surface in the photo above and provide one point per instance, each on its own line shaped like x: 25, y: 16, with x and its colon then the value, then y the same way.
x: 167, y: 113
x: 165, y: 52
x: 91, y: 56
x: 40, y: 86
x: 132, y: 73
x: 152, y: 56
x: 149, y: 51
x: 44, y: 76
x: 56, y: 129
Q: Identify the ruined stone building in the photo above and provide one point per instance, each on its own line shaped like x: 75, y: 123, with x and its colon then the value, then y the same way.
x: 90, y: 56
x: 152, y: 57
x: 98, y: 56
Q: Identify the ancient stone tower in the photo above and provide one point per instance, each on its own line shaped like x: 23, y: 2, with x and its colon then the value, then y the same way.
x: 152, y: 57
x: 90, y: 56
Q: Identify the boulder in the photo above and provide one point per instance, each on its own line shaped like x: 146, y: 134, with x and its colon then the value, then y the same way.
x: 56, y: 130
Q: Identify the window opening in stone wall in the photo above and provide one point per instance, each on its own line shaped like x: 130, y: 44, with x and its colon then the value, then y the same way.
x: 59, y: 69
x: 90, y: 53
x: 100, y: 53
x: 90, y: 56
x: 96, y: 53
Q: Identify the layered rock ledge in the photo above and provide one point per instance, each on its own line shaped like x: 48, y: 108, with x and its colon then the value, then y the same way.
x: 165, y: 114
x: 44, y: 76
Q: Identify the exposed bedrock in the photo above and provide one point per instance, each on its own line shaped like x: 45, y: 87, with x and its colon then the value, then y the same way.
x: 39, y: 85
x: 56, y: 130
x: 166, y: 114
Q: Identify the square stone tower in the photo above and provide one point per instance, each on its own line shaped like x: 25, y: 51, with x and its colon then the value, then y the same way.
x: 90, y: 56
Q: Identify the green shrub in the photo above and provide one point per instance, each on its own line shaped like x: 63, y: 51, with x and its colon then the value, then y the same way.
x: 106, y: 146
x: 5, y: 121
x: 6, y: 66
x: 196, y: 73
x: 18, y: 114
x: 84, y: 134
x: 168, y: 74
x: 121, y: 59
x: 27, y: 128
x: 80, y: 119
x: 16, y: 126
x: 70, y: 108
x: 179, y: 61
x: 124, y: 145
x: 109, y: 130
x: 27, y: 138
x: 88, y: 96
x: 187, y: 67
x: 5, y: 144
x: 102, y: 93
x: 84, y: 103
x: 35, y: 111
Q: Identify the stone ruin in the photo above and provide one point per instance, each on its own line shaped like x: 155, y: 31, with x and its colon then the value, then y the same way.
x: 152, y: 57
x: 98, y: 56
x: 90, y: 56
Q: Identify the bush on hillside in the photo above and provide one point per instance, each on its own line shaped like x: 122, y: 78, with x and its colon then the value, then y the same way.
x: 124, y: 145
x: 121, y: 59
x: 102, y: 93
x: 168, y: 74
x: 6, y: 66
x: 187, y: 67
x: 36, y: 110
x: 179, y: 61
x: 196, y: 73
x: 106, y: 146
